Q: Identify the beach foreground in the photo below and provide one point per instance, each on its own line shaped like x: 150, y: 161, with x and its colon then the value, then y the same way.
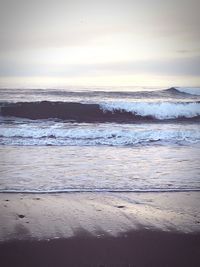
x: 100, y: 229
x: 133, y: 249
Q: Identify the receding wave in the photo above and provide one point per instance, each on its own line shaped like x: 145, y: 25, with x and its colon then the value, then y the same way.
x: 111, y: 111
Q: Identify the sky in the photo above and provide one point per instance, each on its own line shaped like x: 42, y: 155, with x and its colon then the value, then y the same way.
x: 104, y: 42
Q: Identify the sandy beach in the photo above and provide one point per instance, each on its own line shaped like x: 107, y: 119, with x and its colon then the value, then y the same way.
x: 100, y: 229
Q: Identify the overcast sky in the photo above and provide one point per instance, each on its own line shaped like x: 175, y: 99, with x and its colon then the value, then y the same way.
x: 104, y: 42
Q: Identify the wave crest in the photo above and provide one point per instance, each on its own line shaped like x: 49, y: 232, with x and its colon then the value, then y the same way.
x: 160, y: 111
x: 189, y: 90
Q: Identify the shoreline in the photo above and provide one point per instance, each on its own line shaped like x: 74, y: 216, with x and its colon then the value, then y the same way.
x: 98, y: 191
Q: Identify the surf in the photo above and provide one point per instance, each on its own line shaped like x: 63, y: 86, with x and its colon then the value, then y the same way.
x: 110, y: 111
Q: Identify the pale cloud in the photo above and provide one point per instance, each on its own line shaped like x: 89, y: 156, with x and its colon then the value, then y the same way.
x: 76, y: 38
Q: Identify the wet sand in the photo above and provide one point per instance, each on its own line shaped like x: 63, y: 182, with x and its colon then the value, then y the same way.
x: 141, y: 248
x: 100, y: 229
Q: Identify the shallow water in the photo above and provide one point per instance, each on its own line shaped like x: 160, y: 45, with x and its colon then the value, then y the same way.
x: 99, y: 168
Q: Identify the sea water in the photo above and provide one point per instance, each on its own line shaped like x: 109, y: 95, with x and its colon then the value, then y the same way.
x: 118, y: 140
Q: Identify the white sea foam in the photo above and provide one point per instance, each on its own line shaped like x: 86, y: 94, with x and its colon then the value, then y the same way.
x: 158, y: 110
x: 92, y: 134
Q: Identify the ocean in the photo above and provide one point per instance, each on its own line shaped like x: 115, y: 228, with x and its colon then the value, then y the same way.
x: 100, y: 139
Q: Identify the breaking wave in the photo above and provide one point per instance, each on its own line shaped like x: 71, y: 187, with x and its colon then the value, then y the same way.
x: 110, y: 111
x: 160, y: 111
